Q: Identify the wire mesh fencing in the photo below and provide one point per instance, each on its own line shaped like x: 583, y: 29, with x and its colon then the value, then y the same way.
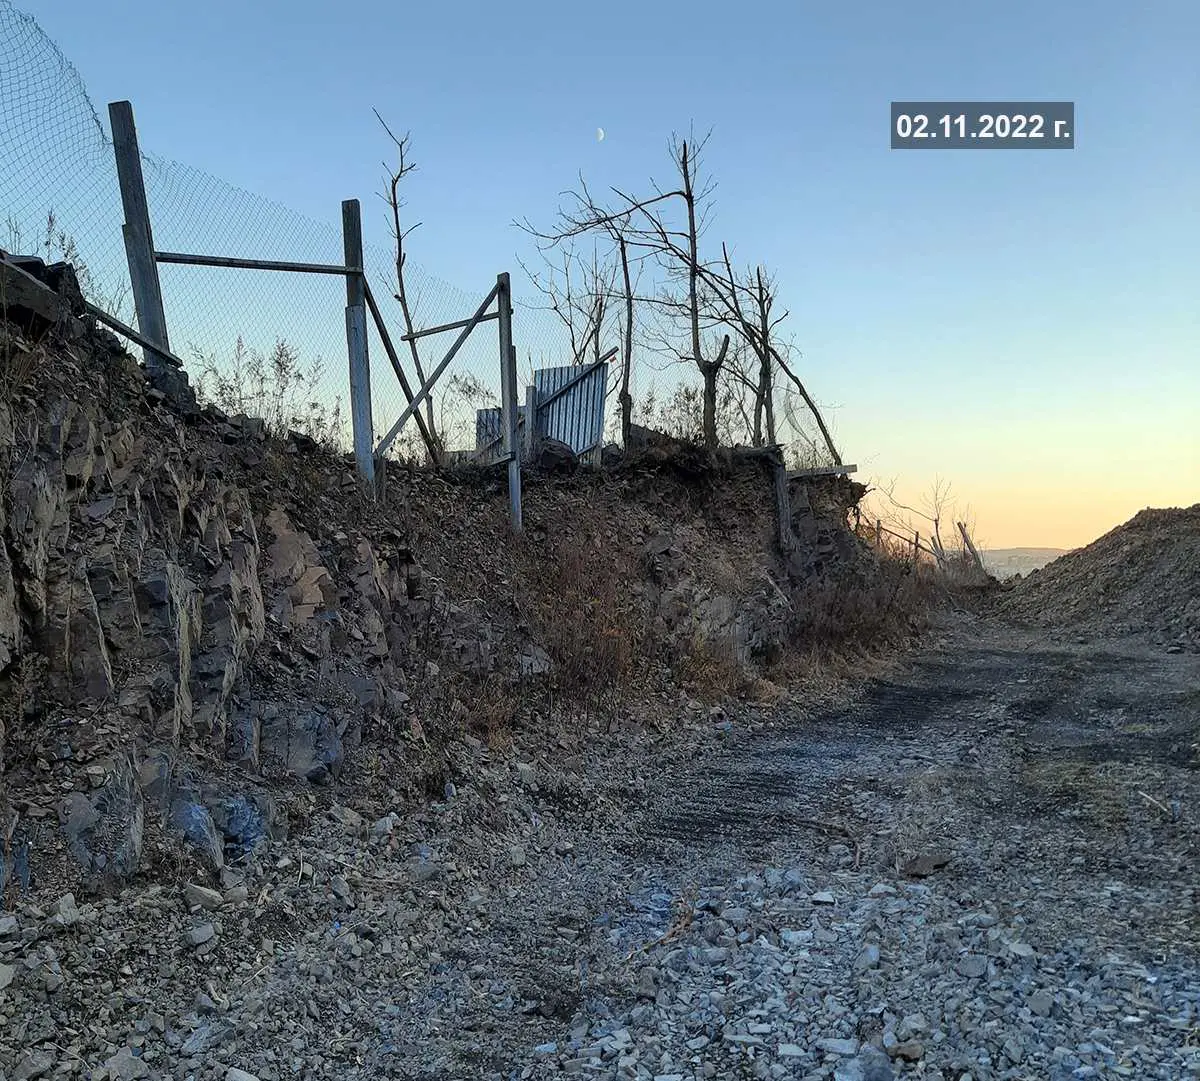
x: 266, y: 343
x: 58, y: 179
x: 273, y: 344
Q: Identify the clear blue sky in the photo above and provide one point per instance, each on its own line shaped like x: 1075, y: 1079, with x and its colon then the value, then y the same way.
x: 1024, y: 324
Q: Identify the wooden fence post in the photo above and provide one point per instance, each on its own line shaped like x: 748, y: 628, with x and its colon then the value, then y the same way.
x: 783, y: 504
x: 508, y: 399
x: 970, y: 545
x: 139, y: 239
x: 356, y: 345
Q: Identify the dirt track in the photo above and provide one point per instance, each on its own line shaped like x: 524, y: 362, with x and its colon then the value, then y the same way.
x: 1061, y: 783
x: 747, y: 914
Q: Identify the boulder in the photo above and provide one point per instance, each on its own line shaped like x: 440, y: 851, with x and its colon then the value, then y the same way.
x: 299, y: 741
x: 555, y: 456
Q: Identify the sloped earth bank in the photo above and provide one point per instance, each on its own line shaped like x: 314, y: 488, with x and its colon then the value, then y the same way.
x: 978, y: 866
x: 1140, y: 579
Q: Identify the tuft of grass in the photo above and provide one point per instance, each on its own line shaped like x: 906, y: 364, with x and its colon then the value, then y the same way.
x: 19, y: 359
x: 587, y: 621
x: 710, y: 669
x: 1083, y: 787
x: 492, y: 713
x: 276, y: 387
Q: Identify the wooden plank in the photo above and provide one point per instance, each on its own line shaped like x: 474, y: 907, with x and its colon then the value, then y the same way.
x: 508, y: 399
x: 823, y: 471
x: 881, y: 529
x: 447, y: 326
x: 783, y: 509
x: 962, y: 529
x: 114, y: 323
x: 139, y: 239
x: 397, y: 367
x: 427, y: 386
x: 530, y: 425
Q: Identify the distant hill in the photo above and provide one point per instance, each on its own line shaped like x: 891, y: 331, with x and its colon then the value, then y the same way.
x: 1005, y: 562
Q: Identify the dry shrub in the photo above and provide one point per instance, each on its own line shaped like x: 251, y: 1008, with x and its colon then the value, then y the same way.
x: 710, y: 669
x: 277, y: 387
x: 492, y: 712
x: 587, y: 620
x: 18, y: 360
x: 879, y: 604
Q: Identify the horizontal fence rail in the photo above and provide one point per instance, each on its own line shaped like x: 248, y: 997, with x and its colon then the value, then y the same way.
x: 252, y: 264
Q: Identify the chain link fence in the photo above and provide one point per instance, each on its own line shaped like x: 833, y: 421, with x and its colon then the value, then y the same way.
x: 266, y: 343
x: 272, y: 343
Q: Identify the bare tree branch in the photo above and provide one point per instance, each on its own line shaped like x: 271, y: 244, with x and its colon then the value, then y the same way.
x: 395, y: 175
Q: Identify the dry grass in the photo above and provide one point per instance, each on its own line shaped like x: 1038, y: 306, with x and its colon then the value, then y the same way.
x: 587, y: 620
x: 19, y: 359
x: 863, y: 608
x: 277, y: 387
x: 492, y: 714
x: 1088, y: 789
x: 921, y: 821
x: 710, y: 669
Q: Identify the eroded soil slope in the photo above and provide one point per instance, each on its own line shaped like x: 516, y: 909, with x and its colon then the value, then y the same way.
x: 1142, y: 579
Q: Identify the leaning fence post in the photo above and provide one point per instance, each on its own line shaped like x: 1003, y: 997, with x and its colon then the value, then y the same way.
x: 970, y: 546
x: 508, y: 398
x: 139, y: 239
x: 356, y: 344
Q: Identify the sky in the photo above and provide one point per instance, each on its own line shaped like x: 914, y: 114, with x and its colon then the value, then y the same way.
x: 1022, y: 324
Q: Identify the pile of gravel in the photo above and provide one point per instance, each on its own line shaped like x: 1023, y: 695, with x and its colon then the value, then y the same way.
x: 1142, y: 578
x: 778, y: 980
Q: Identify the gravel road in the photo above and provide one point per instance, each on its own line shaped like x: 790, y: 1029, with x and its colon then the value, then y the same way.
x: 980, y: 867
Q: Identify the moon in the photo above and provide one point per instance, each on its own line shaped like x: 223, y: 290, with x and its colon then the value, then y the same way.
x: 599, y: 135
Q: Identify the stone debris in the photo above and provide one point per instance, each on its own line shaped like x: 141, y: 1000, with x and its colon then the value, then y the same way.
x: 1142, y: 579
x: 263, y: 833
x: 203, y: 897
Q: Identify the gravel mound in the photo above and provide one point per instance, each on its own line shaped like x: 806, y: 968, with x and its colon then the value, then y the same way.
x: 1142, y: 578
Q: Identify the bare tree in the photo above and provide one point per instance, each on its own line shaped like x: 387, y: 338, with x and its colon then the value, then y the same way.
x: 403, y: 167
x: 746, y: 304
x: 937, y: 506
x: 578, y: 291
x: 646, y: 231
x: 707, y: 295
x: 584, y: 308
x: 763, y: 297
x: 624, y: 397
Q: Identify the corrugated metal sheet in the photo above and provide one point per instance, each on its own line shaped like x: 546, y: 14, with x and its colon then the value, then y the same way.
x: 576, y: 415
x: 487, y: 426
x: 489, y: 446
x: 570, y: 409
